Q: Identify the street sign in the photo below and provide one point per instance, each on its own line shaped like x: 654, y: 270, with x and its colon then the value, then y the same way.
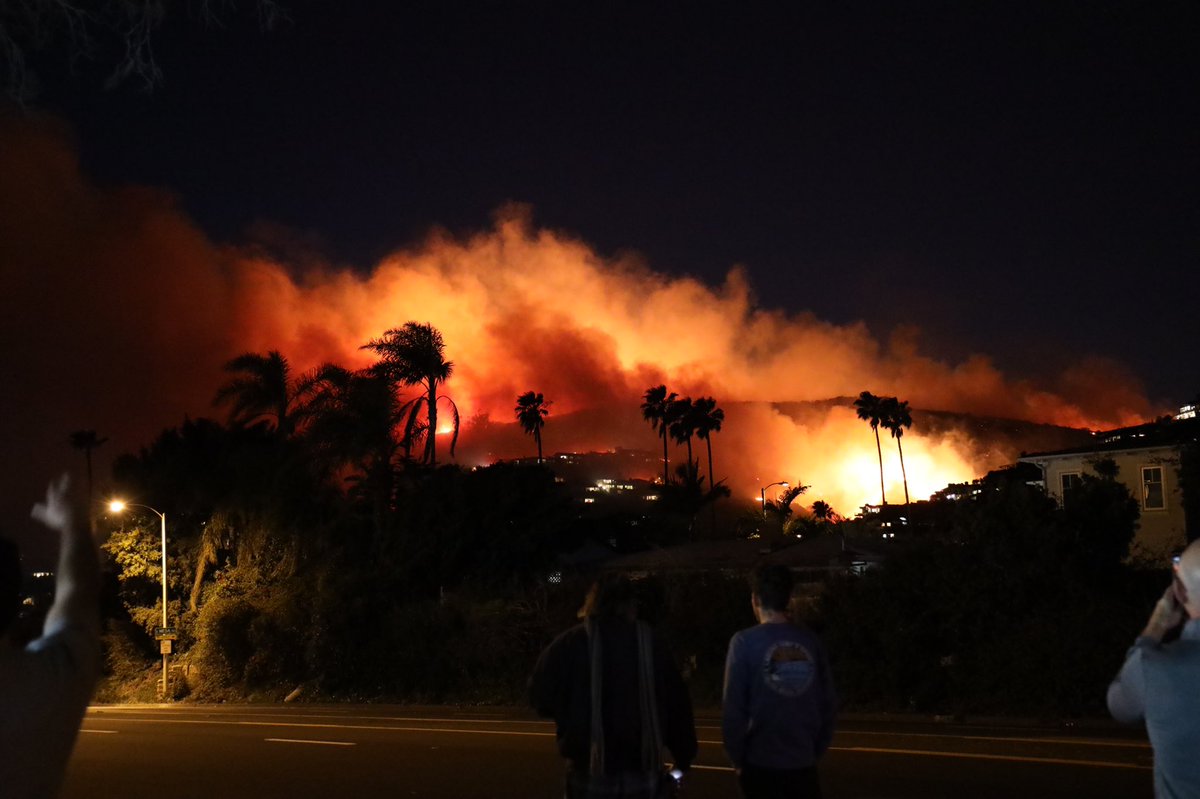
x: 166, y: 633
x: 164, y: 646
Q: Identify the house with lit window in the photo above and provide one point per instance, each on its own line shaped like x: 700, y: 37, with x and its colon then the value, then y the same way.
x: 1149, y: 460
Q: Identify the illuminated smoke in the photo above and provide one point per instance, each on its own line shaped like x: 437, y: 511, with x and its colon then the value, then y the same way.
x: 119, y: 312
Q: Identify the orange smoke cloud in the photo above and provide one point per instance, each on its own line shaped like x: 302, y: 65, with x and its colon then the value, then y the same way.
x: 119, y: 311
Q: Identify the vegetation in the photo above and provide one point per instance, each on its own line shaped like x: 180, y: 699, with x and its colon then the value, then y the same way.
x: 316, y: 544
x: 532, y: 410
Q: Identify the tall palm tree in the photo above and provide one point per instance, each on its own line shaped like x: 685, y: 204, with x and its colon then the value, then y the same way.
x: 870, y: 409
x: 532, y: 410
x: 262, y: 386
x: 708, y: 419
x: 656, y: 409
x: 896, y: 417
x: 683, y: 427
x: 415, y: 355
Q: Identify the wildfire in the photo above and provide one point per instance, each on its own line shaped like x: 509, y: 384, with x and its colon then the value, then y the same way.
x: 520, y: 308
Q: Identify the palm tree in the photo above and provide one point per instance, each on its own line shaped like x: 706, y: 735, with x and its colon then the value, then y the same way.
x: 262, y: 387
x: 870, y: 409
x: 683, y: 427
x: 896, y: 417
x: 355, y: 416
x: 415, y: 355
x: 781, y: 508
x: 531, y: 411
x: 656, y: 409
x: 708, y: 419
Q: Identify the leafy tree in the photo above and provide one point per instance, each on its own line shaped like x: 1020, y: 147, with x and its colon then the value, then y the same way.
x: 707, y: 420
x: 532, y: 410
x: 896, y: 417
x: 870, y: 409
x: 657, y: 410
x: 415, y: 355
x: 96, y: 31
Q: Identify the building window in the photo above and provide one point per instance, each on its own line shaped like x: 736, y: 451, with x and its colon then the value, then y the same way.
x: 1153, y: 497
x: 1070, y: 483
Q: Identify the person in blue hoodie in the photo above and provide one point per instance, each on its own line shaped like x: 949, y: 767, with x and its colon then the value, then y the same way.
x: 779, y: 706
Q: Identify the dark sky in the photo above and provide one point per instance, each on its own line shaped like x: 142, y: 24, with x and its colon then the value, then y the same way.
x: 1016, y: 179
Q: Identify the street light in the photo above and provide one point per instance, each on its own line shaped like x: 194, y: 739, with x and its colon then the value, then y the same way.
x: 762, y: 492
x: 116, y: 506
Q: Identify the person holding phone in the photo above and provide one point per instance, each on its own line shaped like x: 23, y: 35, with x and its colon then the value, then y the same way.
x: 1160, y: 682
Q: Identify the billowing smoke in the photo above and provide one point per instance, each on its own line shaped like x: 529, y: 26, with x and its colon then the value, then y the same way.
x: 118, y: 312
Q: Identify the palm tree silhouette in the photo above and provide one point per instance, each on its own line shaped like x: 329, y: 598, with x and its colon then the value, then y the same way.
x: 531, y: 411
x: 262, y: 387
x: 656, y: 409
x: 415, y: 355
x: 683, y: 427
x: 870, y: 409
x: 896, y: 417
x: 708, y: 419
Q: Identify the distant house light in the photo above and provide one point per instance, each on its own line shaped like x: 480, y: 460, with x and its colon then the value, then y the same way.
x: 589, y: 500
x: 651, y: 497
x: 1186, y: 412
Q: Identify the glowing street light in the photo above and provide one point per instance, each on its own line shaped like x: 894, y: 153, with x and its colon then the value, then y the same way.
x: 762, y: 495
x: 117, y: 506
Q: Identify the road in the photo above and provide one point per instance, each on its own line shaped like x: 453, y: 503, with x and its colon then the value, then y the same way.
x: 210, y: 752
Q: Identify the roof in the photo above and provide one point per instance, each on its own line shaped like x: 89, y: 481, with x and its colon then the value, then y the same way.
x: 1162, y: 434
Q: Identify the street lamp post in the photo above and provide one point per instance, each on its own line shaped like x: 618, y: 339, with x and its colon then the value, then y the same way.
x: 762, y: 492
x: 116, y: 506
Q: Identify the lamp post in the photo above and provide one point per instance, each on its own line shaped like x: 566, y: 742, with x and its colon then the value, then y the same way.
x: 762, y: 492
x: 116, y: 506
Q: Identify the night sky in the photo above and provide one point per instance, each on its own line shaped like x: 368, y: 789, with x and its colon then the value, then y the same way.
x: 1016, y: 179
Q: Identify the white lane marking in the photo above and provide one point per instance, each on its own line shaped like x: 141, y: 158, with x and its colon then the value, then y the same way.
x: 698, y: 767
x: 1055, y: 761
x: 308, y: 741
x: 1068, y: 741
x: 310, y: 725
x: 102, y: 732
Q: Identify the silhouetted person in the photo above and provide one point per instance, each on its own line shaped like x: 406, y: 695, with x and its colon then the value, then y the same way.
x: 779, y: 706
x: 1160, y: 683
x: 614, y: 662
x: 45, y: 686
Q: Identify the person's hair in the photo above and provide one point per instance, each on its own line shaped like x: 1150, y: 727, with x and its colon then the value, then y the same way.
x: 10, y: 583
x: 772, y: 584
x: 609, y: 597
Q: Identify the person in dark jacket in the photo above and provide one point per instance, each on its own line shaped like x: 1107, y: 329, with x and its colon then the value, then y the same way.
x: 614, y: 661
x: 779, y: 706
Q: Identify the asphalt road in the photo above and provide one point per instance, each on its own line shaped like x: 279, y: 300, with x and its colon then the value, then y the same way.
x: 188, y: 751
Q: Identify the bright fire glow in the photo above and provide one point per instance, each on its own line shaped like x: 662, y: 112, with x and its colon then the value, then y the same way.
x: 521, y: 308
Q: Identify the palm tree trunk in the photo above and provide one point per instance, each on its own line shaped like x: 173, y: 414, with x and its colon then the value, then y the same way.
x: 537, y: 436
x: 708, y: 441
x: 431, y: 436
x: 879, y: 450
x: 666, y: 462
x: 902, y: 472
x: 689, y: 446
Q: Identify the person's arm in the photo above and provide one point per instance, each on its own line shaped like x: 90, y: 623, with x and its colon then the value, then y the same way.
x: 77, y: 580
x: 1127, y: 693
x: 828, y: 703
x: 546, y: 685
x: 679, y: 732
x: 735, y: 703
